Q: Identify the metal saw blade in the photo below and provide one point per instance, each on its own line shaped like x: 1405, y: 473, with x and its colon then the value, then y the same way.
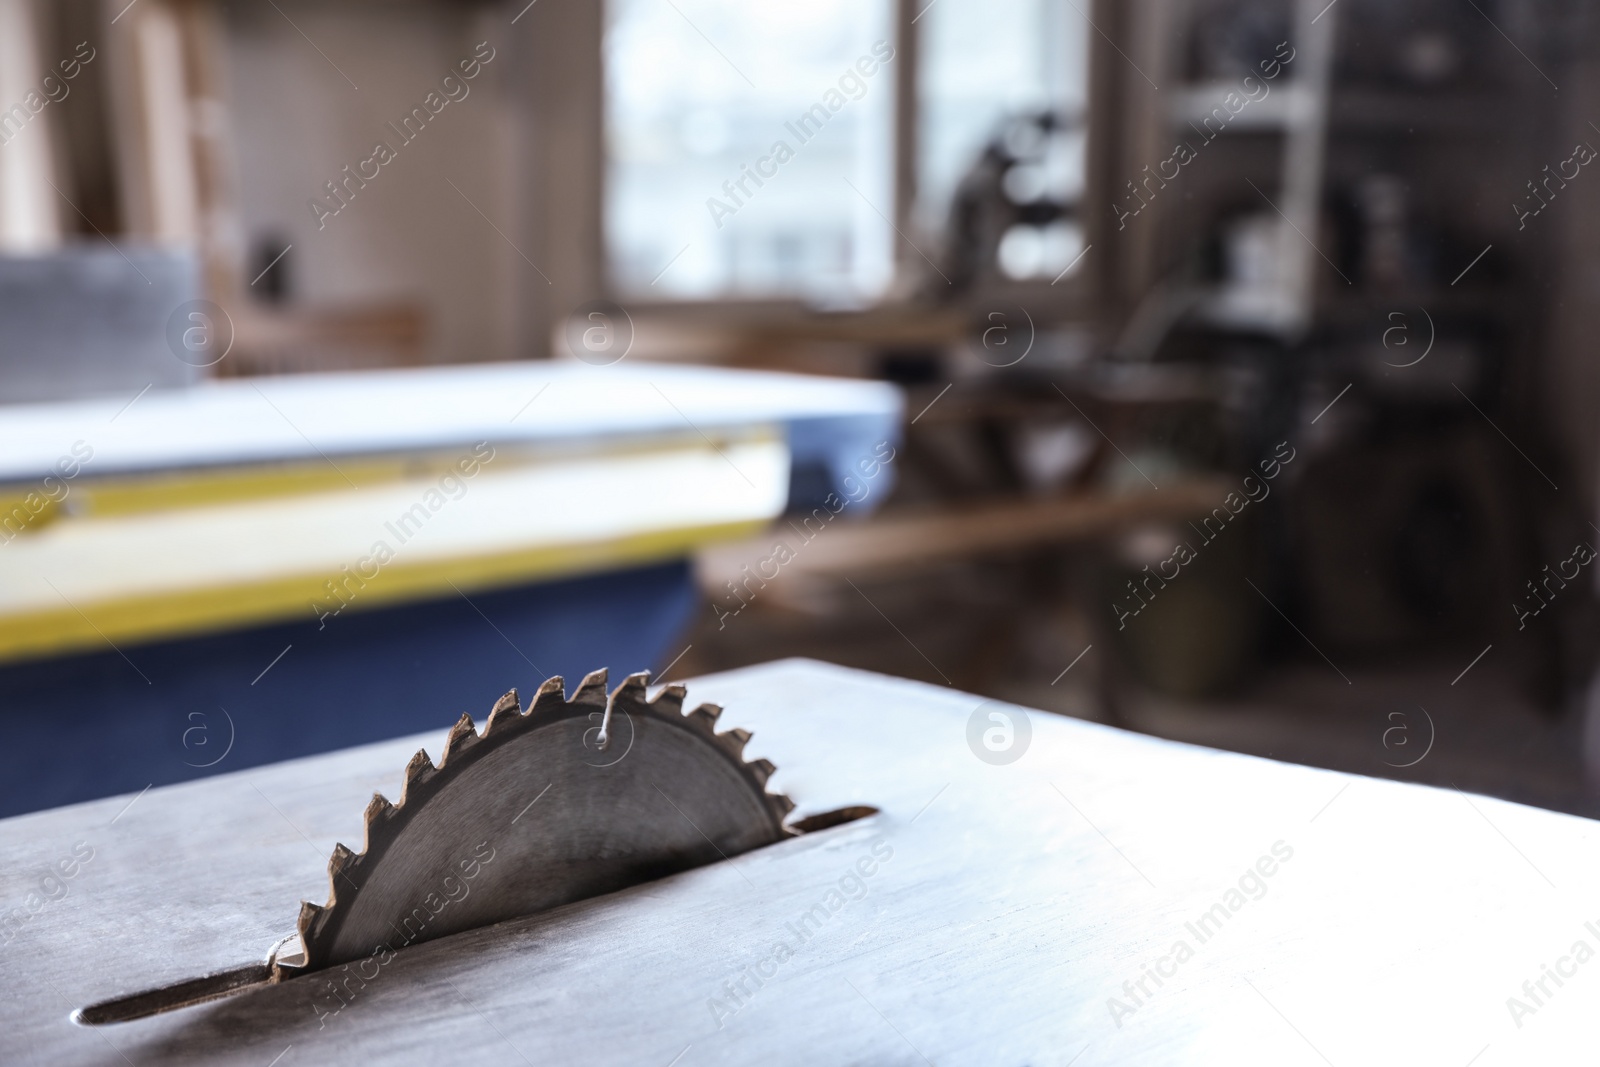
x: 574, y: 798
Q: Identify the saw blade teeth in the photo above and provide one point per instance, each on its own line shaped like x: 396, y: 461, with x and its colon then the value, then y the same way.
x: 506, y: 710
x: 308, y: 926
x: 419, y: 770
x: 550, y: 697
x: 704, y: 719
x: 462, y: 735
x: 762, y: 770
x: 733, y: 741
x: 310, y: 922
x: 669, y: 702
x: 379, y: 812
x: 633, y: 691
x: 336, y: 867
x: 713, y: 711
x: 592, y: 690
x: 351, y: 874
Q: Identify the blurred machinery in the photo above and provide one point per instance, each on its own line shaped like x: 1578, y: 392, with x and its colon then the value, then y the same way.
x: 1007, y: 201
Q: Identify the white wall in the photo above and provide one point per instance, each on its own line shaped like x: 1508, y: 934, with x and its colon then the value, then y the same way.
x: 407, y: 234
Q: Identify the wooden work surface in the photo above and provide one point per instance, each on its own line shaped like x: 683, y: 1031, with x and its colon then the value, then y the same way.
x: 1017, y: 900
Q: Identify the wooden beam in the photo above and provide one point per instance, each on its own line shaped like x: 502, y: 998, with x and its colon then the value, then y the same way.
x: 903, y: 542
x: 30, y: 210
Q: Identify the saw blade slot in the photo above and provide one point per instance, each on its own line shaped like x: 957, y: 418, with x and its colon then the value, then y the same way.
x: 195, y: 991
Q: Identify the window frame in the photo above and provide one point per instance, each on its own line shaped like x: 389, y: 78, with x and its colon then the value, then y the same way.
x: 1074, y: 298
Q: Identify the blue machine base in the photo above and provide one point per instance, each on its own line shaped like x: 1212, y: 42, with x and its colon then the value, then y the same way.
x: 87, y: 726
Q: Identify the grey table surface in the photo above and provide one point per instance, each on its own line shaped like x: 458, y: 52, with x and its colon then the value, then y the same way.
x: 1105, y: 898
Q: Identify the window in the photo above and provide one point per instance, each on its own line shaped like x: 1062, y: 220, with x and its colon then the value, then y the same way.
x: 749, y: 148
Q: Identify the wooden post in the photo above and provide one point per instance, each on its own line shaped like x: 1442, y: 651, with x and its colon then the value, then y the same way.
x: 30, y: 210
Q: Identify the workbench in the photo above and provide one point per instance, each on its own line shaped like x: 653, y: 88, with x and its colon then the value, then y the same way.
x: 273, y: 567
x: 990, y: 913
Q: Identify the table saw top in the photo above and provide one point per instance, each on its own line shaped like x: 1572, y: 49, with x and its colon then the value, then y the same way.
x: 1105, y: 898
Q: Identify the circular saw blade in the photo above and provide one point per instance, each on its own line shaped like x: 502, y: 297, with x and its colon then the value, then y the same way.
x: 572, y: 799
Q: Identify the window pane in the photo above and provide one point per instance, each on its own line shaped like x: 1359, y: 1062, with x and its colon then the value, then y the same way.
x: 989, y: 70
x: 735, y: 133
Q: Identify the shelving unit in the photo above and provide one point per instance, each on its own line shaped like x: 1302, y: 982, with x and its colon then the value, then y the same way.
x: 1366, y: 189
x: 1334, y: 121
x: 1295, y: 114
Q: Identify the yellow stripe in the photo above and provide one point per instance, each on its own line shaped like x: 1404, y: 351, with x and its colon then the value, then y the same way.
x: 139, y: 494
x: 187, y: 612
x: 17, y: 518
x: 116, y: 495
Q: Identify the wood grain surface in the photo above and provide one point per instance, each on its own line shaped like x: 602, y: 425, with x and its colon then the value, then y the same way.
x: 990, y: 914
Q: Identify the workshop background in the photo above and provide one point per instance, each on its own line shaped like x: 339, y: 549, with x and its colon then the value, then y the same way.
x: 1220, y: 369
